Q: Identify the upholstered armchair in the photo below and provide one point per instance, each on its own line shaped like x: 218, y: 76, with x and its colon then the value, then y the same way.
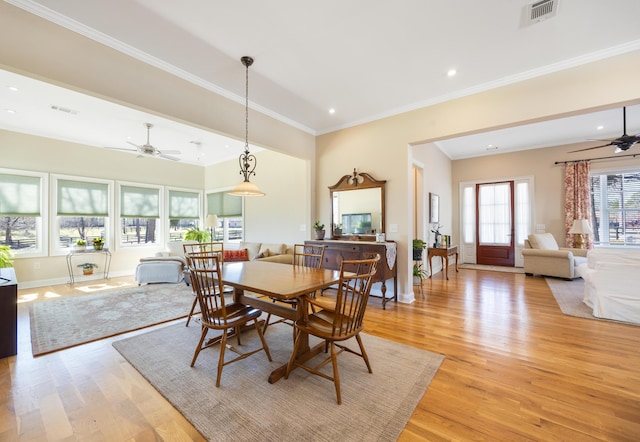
x: 543, y: 257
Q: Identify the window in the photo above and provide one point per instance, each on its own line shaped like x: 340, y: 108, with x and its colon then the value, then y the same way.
x: 184, y: 212
x: 615, y: 199
x: 21, y: 211
x: 228, y: 208
x: 139, y: 215
x: 82, y: 209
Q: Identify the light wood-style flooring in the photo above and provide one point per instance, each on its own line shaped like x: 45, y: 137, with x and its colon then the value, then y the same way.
x: 516, y: 369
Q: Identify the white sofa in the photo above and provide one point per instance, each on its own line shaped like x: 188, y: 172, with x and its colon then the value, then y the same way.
x: 169, y: 266
x: 612, y: 278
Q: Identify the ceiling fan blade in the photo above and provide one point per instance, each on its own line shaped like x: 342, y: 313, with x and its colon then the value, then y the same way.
x: 172, y: 152
x: 591, y: 148
x: 121, y: 148
x: 169, y: 157
x: 133, y: 144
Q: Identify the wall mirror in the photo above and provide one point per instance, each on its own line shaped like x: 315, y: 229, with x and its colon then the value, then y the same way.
x: 357, y: 207
x: 434, y: 208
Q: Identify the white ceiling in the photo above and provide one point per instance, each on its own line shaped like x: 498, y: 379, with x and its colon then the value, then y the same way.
x: 366, y: 59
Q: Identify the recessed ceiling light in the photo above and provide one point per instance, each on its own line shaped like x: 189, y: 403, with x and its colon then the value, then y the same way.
x: 599, y: 127
x: 12, y: 88
x: 10, y: 111
x: 492, y: 147
x: 451, y: 72
x: 332, y: 111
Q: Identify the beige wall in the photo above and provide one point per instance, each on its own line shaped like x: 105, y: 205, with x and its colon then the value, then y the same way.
x: 548, y: 177
x: 277, y: 217
x: 381, y: 147
x: 26, y: 152
x: 281, y: 215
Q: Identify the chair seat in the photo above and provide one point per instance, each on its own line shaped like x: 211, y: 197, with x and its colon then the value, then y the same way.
x: 321, y: 324
x: 236, y: 313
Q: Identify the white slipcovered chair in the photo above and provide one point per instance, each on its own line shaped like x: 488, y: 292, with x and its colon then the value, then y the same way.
x: 543, y: 257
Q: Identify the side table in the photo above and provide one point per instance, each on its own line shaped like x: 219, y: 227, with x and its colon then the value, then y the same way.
x: 87, y: 251
x: 444, y: 253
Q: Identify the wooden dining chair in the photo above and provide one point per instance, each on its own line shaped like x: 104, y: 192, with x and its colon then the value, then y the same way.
x: 340, y: 324
x: 217, y: 312
x: 190, y: 248
x: 304, y: 255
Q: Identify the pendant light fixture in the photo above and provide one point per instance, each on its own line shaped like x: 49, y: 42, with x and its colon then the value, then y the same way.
x: 247, y: 160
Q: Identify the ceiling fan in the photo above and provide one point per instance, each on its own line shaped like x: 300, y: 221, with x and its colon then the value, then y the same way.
x: 149, y: 150
x: 622, y: 143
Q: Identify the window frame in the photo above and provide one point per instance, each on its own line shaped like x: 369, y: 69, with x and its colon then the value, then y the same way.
x: 199, y: 223
x: 42, y: 222
x: 160, y: 235
x: 225, y: 219
x: 603, y: 193
x: 54, y: 225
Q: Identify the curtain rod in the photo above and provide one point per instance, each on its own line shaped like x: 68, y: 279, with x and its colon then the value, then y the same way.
x: 595, y: 159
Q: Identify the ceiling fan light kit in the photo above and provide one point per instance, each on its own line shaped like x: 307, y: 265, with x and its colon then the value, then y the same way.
x: 151, y: 151
x: 247, y: 160
x: 622, y: 143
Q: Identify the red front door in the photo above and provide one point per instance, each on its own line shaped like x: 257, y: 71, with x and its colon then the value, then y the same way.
x: 494, y: 224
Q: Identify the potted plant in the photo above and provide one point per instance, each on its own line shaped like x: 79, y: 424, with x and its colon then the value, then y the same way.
x: 196, y: 234
x: 337, y: 230
x: 6, y: 257
x: 319, y: 228
x: 418, y: 274
x: 80, y: 244
x: 87, y: 268
x: 98, y: 243
x: 418, y: 246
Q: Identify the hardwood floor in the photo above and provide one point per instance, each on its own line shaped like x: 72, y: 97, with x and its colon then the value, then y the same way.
x: 516, y: 369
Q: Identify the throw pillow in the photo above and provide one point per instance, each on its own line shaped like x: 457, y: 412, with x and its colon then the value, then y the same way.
x: 274, y: 249
x: 543, y: 241
x: 236, y: 255
x: 264, y: 254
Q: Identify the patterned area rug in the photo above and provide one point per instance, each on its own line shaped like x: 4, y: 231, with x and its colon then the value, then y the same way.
x: 375, y: 407
x: 67, y: 322
x: 569, y: 296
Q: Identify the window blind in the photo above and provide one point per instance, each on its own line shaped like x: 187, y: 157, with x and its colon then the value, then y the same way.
x: 80, y: 198
x: 139, y: 202
x: 184, y: 205
x: 19, y: 195
x: 224, y: 205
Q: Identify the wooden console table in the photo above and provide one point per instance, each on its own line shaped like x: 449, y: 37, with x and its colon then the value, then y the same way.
x: 8, y: 313
x: 335, y: 251
x: 444, y: 253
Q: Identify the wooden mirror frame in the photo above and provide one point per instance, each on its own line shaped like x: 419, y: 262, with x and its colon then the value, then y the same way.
x: 358, y: 181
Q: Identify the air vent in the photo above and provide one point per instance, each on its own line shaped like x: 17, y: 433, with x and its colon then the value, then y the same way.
x: 542, y: 10
x: 64, y: 109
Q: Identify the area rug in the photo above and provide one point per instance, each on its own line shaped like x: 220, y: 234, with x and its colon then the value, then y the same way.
x: 246, y: 407
x: 492, y: 268
x: 568, y: 295
x: 67, y: 322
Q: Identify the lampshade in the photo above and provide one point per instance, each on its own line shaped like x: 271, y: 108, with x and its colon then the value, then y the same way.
x: 581, y: 226
x: 211, y: 221
x: 246, y: 188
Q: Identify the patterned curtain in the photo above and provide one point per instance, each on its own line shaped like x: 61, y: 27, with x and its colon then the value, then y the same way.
x: 577, y: 200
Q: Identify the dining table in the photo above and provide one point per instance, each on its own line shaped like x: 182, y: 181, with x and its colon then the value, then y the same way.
x: 270, y: 280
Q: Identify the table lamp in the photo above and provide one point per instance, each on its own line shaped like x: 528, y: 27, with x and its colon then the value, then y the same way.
x: 212, y: 222
x: 580, y: 228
